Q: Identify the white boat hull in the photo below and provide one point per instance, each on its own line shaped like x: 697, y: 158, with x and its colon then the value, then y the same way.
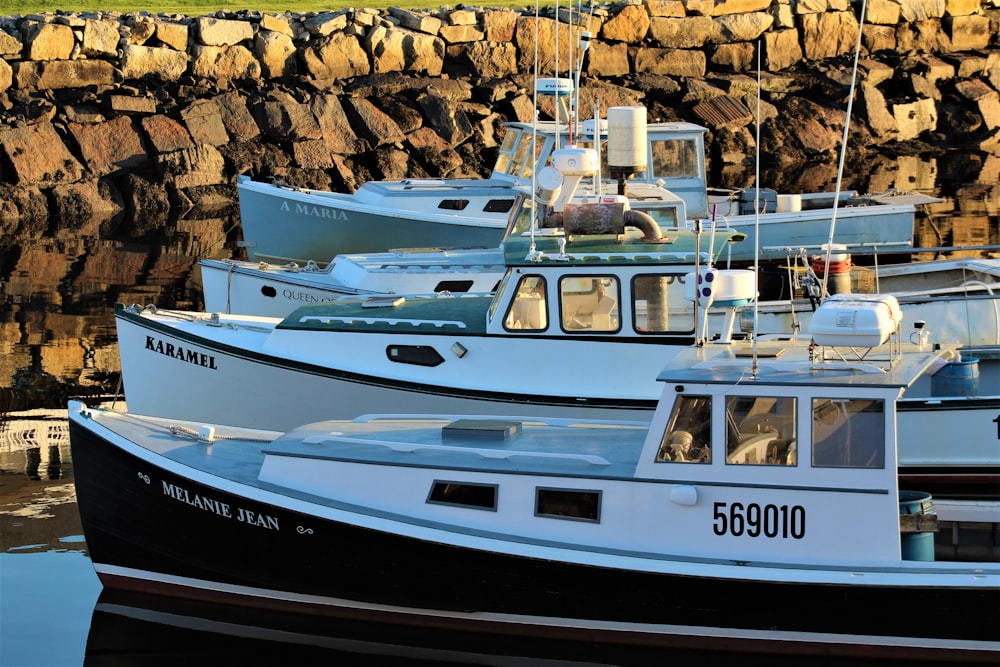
x: 242, y: 372
x: 260, y: 289
x: 249, y: 380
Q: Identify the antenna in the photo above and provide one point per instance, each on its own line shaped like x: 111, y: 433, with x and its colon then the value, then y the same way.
x: 534, y: 136
x: 756, y: 214
x: 575, y: 105
x: 843, y: 147
x: 697, y: 285
x: 556, y: 59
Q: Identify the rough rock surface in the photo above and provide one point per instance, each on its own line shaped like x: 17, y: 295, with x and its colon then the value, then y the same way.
x: 128, y: 114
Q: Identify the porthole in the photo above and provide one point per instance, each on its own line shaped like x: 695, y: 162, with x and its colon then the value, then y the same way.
x: 419, y: 355
x: 464, y: 494
x: 568, y: 504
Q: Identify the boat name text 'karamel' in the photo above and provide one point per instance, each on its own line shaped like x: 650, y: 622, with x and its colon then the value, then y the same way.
x: 315, y: 211
x: 218, y: 507
x: 178, y: 352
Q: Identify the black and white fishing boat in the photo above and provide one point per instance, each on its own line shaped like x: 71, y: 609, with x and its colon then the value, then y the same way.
x: 759, y: 510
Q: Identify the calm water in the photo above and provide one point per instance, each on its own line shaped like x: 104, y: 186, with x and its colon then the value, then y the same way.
x: 57, y: 340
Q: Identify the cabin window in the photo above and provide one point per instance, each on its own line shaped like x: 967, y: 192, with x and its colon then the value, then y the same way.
x: 523, y: 158
x: 529, y: 167
x: 589, y: 303
x: 688, y: 437
x: 568, y: 504
x: 521, y: 222
x: 527, y: 309
x: 659, y: 305
x: 499, y: 294
x: 453, y: 286
x: 418, y: 355
x: 453, y: 204
x: 760, y: 430
x: 506, y: 148
x: 464, y: 494
x: 848, y: 433
x: 674, y: 158
x: 666, y: 216
x: 499, y: 205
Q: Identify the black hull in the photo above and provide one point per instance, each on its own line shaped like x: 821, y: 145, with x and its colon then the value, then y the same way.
x: 967, y: 483
x: 143, y: 539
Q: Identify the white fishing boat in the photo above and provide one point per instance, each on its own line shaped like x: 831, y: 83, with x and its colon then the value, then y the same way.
x: 960, y: 296
x: 760, y: 509
x: 572, y: 334
x: 260, y: 288
x: 282, y: 224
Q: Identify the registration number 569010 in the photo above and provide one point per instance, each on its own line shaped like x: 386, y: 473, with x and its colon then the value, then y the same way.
x: 753, y: 520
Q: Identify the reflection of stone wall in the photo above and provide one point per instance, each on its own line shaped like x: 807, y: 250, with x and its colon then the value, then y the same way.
x: 104, y: 114
x: 57, y: 328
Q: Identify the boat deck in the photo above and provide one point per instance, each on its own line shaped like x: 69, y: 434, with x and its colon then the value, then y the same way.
x: 492, y: 444
x: 550, y: 446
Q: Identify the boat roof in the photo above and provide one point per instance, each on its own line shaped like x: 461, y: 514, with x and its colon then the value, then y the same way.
x: 495, y: 186
x: 653, y: 130
x: 787, y: 362
x: 497, y: 444
x: 465, y: 313
x: 678, y: 246
x: 607, y: 249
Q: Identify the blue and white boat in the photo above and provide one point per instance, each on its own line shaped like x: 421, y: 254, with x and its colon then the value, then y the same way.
x: 282, y: 224
x: 759, y: 509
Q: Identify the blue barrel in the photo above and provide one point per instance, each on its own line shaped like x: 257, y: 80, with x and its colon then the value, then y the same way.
x: 957, y: 378
x: 916, y: 546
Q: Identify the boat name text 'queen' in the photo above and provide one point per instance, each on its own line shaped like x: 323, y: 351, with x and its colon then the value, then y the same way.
x: 305, y: 297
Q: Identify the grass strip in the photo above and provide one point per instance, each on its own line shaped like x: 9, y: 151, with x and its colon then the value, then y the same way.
x: 201, y: 8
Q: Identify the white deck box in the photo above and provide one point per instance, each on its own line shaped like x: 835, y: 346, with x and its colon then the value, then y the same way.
x: 856, y: 320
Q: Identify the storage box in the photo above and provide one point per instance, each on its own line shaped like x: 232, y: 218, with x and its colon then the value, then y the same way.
x: 767, y: 201
x: 855, y: 320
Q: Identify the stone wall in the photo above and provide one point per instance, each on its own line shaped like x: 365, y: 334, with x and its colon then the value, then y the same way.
x: 111, y: 114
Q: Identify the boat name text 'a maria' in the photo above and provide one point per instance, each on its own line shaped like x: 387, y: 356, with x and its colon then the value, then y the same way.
x: 314, y: 211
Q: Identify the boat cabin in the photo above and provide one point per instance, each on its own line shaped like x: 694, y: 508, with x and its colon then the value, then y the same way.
x: 610, y: 285
x: 814, y: 424
x: 675, y: 155
x: 771, y: 455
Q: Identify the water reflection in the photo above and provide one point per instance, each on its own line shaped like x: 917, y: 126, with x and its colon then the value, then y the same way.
x: 57, y: 292
x: 129, y: 628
